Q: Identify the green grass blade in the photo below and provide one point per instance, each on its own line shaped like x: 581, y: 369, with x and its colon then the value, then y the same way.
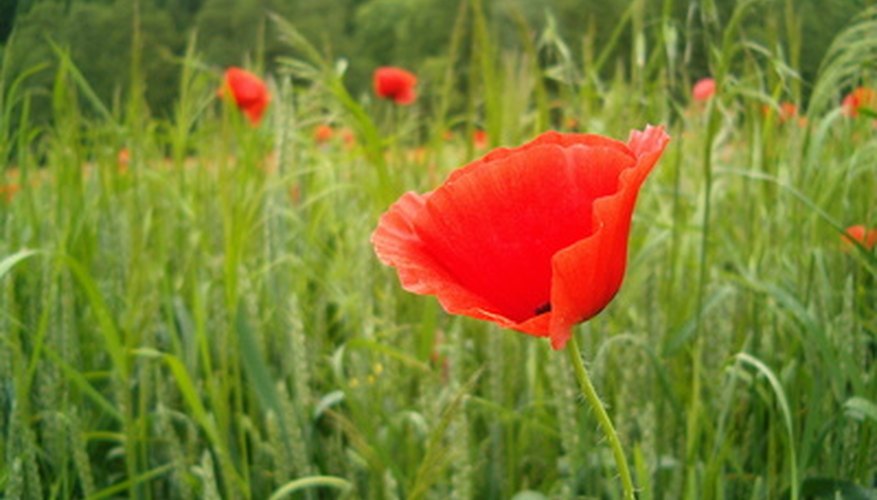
x: 130, y: 483
x: 312, y: 482
x: 11, y: 261
x: 786, y: 411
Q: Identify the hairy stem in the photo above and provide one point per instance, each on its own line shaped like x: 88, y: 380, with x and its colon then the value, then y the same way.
x: 590, y: 393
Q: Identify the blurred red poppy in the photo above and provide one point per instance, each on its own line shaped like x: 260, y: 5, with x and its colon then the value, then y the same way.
x: 123, y: 159
x: 248, y: 91
x: 396, y: 84
x: 349, y: 137
x: 861, y: 235
x: 787, y: 111
x: 479, y: 138
x: 8, y: 191
x: 532, y: 238
x: 703, y: 89
x: 861, y: 97
x: 323, y: 133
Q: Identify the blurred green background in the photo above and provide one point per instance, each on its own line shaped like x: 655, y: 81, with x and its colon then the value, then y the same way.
x: 368, y: 33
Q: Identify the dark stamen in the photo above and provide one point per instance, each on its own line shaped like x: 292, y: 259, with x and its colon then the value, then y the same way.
x: 544, y: 308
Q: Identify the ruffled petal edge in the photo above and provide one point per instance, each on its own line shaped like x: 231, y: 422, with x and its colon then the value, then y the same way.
x: 581, y: 289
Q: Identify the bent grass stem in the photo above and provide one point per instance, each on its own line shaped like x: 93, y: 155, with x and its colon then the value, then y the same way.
x: 603, y: 419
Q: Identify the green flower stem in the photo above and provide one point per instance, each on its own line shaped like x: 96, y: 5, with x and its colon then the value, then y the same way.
x: 590, y: 393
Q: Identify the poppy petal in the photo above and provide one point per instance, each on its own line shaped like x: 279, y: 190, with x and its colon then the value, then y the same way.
x: 861, y: 235
x: 550, y: 137
x: 254, y: 112
x: 588, y: 274
x: 405, y: 96
x: 703, y: 89
x: 397, y: 244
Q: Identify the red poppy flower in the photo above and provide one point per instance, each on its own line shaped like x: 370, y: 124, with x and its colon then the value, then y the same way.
x: 396, y: 84
x: 861, y: 235
x: 8, y: 192
x: 248, y: 91
x: 703, y: 89
x: 123, y: 159
x: 532, y: 238
x: 323, y: 133
x: 788, y: 110
x: 479, y: 138
x: 349, y: 137
x: 861, y: 97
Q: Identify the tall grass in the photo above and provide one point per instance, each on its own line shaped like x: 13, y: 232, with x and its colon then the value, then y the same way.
x: 208, y: 320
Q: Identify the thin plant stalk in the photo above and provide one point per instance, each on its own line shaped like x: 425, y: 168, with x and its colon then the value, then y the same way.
x: 603, y: 419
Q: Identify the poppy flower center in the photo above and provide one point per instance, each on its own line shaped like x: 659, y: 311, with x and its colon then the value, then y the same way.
x: 544, y: 308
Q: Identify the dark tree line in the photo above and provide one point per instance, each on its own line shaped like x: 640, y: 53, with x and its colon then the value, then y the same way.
x: 367, y: 33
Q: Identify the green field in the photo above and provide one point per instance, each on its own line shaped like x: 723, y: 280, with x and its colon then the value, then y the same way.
x: 205, y: 317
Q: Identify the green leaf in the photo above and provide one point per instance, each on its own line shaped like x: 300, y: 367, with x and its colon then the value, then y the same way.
x: 784, y: 409
x: 256, y: 366
x: 311, y: 482
x: 125, y: 485
x: 9, y: 262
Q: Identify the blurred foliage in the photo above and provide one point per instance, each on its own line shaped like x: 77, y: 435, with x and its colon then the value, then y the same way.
x: 368, y: 33
x: 8, y: 9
